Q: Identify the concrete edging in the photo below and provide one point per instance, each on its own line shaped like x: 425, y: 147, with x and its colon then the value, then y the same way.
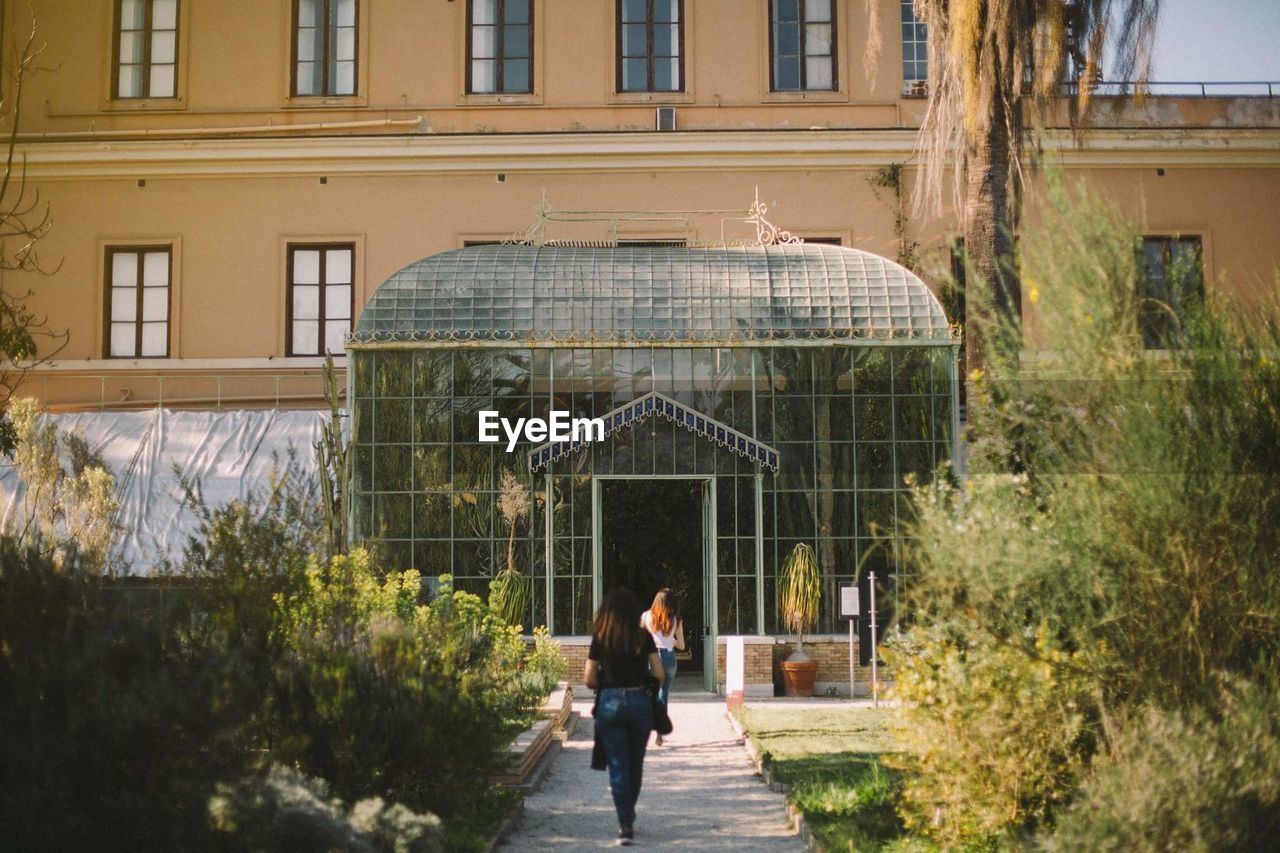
x: 508, y: 826
x: 547, y: 734
x: 527, y: 750
x: 795, y: 820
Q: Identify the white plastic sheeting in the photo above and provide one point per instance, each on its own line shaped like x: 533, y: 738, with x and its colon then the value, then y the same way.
x: 230, y: 454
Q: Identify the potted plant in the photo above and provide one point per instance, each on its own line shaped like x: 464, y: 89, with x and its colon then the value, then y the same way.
x: 799, y: 593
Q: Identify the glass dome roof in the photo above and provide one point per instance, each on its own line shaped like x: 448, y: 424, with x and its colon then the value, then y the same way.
x: 652, y: 293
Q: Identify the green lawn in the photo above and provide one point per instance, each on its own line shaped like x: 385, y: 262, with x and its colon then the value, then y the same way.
x: 470, y: 830
x: 832, y: 757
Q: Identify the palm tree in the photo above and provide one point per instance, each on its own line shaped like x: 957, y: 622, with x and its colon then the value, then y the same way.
x: 996, y: 68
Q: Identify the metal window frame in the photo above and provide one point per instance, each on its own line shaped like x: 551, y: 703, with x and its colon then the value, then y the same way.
x: 289, y: 284
x: 736, y: 303
x: 326, y: 84
x: 835, y: 49
x: 108, y: 284
x: 499, y: 48
x: 649, y: 57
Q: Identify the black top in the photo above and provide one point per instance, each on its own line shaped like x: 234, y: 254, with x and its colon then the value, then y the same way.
x: 626, y: 670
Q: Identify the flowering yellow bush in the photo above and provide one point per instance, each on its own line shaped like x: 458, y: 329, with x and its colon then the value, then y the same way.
x: 62, y: 509
x: 1108, y: 564
x: 996, y: 735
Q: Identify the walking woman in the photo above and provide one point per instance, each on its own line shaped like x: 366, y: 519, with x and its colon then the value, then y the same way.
x: 621, y: 663
x: 662, y: 621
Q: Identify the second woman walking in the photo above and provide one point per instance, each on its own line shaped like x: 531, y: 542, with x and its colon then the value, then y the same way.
x: 662, y: 621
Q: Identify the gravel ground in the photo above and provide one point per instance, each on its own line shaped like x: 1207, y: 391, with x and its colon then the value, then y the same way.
x: 700, y: 793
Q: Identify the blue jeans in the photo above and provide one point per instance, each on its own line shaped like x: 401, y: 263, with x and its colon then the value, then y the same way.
x: 624, y: 719
x: 668, y: 674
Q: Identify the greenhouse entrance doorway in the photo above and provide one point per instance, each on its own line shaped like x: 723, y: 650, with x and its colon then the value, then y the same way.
x: 659, y: 532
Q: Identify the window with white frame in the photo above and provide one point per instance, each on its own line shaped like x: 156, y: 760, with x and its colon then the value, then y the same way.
x: 650, y: 37
x: 915, y: 53
x: 802, y: 39
x: 320, y: 297
x: 137, y: 310
x: 146, y: 49
x: 500, y: 47
x: 324, y: 47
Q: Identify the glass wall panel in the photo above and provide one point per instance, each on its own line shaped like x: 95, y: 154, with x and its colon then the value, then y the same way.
x: 432, y: 374
x: 850, y: 424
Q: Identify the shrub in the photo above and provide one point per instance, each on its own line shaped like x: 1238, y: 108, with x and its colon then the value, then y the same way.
x: 355, y: 681
x: 380, y: 696
x: 113, y: 726
x: 337, y: 601
x: 997, y: 735
x: 1110, y: 552
x: 1187, y: 781
x: 270, y: 535
x: 243, y: 556
x: 71, y: 504
x: 545, y: 666
x: 123, y: 708
x: 286, y: 810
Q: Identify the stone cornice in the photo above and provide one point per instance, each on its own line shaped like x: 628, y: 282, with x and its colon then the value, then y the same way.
x: 213, y: 366
x: 425, y: 154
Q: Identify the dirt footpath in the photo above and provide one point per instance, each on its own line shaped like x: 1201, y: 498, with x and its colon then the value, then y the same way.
x: 700, y: 793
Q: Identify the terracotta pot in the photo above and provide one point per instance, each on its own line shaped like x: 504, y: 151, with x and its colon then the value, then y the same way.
x: 797, y: 677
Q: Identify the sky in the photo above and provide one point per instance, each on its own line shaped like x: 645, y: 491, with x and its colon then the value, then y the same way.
x: 1206, y: 40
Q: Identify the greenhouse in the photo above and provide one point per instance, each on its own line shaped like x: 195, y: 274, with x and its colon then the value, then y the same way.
x: 752, y: 397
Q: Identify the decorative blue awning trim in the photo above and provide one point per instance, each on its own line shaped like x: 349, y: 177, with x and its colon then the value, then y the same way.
x: 652, y: 404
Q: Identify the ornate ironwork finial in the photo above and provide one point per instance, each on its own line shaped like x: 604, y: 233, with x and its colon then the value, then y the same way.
x: 535, y: 234
x: 768, y: 234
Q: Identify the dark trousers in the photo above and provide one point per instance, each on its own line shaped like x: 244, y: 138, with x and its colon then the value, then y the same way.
x: 623, y: 722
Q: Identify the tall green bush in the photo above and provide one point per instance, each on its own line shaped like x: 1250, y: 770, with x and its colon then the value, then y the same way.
x: 1112, y: 551
x: 1187, y: 780
x: 114, y: 726
x: 356, y: 682
x: 380, y: 696
x: 69, y: 503
x: 243, y: 557
x: 997, y: 735
x: 545, y: 666
x: 149, y: 717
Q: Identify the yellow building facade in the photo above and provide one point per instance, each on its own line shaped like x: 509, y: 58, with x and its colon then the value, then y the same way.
x: 221, y: 139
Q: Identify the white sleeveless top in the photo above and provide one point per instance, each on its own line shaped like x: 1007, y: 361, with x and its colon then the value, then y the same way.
x: 667, y: 642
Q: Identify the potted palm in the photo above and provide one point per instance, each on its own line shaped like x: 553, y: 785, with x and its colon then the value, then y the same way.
x: 799, y: 593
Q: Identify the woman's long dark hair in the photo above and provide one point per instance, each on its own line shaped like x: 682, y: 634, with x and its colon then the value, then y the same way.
x: 664, y: 613
x: 617, y: 630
